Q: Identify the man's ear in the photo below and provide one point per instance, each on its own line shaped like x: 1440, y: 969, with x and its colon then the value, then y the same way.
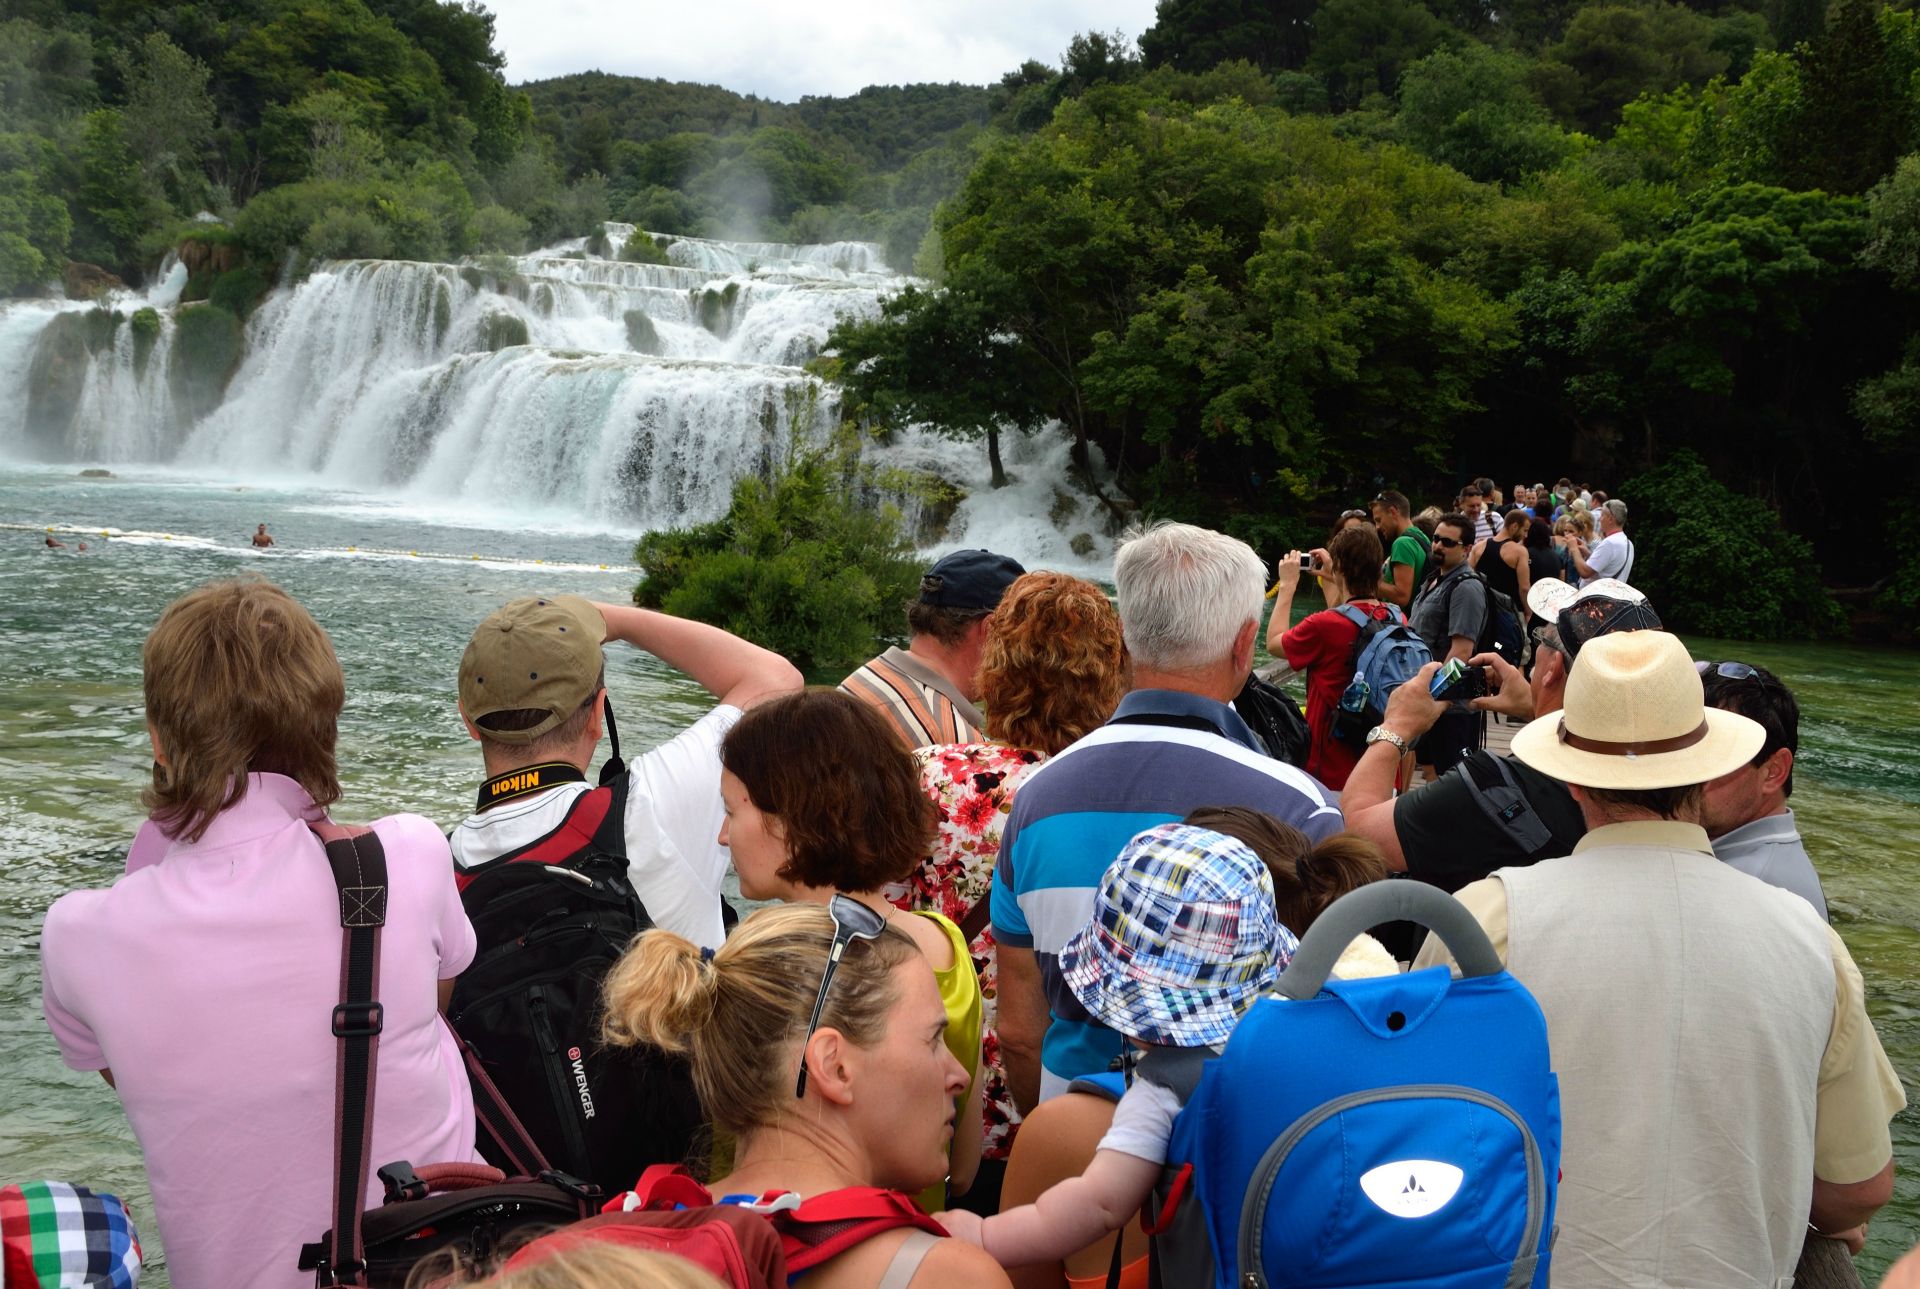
x: 473, y: 731
x: 597, y: 723
x: 831, y: 1062
x: 1243, y: 647
x: 1775, y: 770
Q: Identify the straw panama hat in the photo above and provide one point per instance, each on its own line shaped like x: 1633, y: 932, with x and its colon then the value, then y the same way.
x: 1636, y: 717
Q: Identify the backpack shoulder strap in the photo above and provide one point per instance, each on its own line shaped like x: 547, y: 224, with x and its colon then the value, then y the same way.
x: 826, y: 1226
x: 1494, y: 788
x: 359, y: 867
x: 1353, y: 615
x: 1178, y: 1069
x: 907, y: 1259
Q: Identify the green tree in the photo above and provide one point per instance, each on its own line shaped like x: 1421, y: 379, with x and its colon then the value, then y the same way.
x: 1194, y: 35
x: 801, y: 563
x: 1612, y: 53
x: 169, y: 116
x: 1361, y: 46
x: 1855, y: 115
x: 1471, y: 109
x: 34, y: 224
x: 116, y: 203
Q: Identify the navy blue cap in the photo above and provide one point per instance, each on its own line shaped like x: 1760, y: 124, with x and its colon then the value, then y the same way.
x: 969, y: 580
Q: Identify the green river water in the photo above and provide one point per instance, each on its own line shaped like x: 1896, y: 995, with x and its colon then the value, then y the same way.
x: 400, y: 605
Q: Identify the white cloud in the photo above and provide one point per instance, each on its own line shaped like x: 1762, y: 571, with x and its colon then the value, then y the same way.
x: 783, y: 51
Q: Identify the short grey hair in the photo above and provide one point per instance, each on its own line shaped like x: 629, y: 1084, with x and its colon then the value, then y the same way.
x: 1185, y: 593
x: 1616, y: 510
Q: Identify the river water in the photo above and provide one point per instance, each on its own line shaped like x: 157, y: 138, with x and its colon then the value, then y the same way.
x: 399, y: 596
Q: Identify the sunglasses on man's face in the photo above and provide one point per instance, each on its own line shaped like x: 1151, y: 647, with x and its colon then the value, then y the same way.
x: 852, y: 921
x: 1447, y: 541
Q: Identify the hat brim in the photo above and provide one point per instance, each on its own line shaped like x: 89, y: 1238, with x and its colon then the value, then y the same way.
x: 1115, y: 994
x: 1731, y: 742
x: 1549, y: 595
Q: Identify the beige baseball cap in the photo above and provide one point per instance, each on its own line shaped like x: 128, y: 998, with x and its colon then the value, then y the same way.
x: 541, y: 653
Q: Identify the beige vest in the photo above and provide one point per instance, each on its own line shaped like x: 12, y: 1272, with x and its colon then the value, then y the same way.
x: 1688, y: 1006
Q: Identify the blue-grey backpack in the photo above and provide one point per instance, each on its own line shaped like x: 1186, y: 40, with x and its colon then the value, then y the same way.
x: 1402, y: 1130
x: 1386, y: 654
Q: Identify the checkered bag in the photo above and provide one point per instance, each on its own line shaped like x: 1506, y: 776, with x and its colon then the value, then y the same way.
x: 56, y: 1236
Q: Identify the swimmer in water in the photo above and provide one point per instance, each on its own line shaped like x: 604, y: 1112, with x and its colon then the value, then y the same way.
x: 54, y: 543
x: 261, y: 537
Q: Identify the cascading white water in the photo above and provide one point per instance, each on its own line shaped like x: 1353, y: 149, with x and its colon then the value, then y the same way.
x: 562, y: 383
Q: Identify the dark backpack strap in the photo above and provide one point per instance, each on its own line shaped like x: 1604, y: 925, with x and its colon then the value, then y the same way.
x: 1493, y: 787
x: 492, y: 1113
x: 359, y: 867
x: 1177, y: 1069
x: 977, y: 918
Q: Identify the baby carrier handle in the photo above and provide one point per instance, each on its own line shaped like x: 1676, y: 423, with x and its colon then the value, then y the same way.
x: 1357, y: 911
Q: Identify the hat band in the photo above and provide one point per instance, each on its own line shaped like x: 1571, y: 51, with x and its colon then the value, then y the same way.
x: 1607, y: 747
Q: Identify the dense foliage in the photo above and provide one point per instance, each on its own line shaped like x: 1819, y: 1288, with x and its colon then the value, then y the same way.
x: 1720, y: 564
x: 1288, y: 253
x: 802, y: 563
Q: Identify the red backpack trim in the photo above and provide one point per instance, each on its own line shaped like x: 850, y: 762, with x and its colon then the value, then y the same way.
x: 582, y: 827
x: 811, y: 1231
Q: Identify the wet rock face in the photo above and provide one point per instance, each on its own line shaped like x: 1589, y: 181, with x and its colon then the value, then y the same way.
x: 88, y: 281
x: 56, y: 379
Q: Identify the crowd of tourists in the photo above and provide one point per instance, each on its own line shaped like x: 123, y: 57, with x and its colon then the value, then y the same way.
x: 1019, y: 883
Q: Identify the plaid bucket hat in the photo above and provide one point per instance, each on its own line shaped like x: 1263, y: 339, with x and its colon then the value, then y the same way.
x: 1184, y: 936
x: 56, y: 1236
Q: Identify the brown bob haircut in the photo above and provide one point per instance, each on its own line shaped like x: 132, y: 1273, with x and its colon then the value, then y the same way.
x: 1356, y: 554
x: 1307, y: 876
x: 832, y: 771
x: 239, y: 679
x: 1055, y: 665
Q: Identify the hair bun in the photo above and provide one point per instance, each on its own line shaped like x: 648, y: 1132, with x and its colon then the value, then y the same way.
x: 660, y: 992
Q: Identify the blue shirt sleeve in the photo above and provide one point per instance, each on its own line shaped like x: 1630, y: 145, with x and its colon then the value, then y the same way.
x: 1009, y: 922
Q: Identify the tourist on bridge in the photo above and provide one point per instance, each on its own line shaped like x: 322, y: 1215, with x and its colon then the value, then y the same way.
x: 927, y: 690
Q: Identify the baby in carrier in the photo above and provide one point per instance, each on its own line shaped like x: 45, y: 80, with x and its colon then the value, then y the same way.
x: 1184, y: 937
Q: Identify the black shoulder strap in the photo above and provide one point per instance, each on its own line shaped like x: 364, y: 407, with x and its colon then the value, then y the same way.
x: 1493, y: 787
x: 1177, y: 1069
x: 359, y: 866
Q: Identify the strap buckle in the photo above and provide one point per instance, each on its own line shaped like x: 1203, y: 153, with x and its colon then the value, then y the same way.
x: 358, y: 1020
x: 583, y: 1191
x: 401, y: 1182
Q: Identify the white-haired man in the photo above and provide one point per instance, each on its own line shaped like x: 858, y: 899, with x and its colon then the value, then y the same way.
x: 1720, y: 1084
x: 1612, y: 555
x: 1190, y: 602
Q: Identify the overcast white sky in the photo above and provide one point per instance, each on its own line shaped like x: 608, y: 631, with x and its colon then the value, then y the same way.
x: 783, y: 50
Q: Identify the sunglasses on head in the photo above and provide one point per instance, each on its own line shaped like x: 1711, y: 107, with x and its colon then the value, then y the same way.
x: 1731, y: 670
x: 1345, y: 515
x: 852, y: 921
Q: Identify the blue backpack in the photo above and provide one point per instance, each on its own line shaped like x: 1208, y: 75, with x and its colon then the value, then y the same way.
x: 1385, y: 656
x: 1398, y: 1131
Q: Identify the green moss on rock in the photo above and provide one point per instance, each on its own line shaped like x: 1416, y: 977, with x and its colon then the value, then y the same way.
x: 502, y: 331
x: 206, y: 350
x: 55, y: 380
x: 642, y: 336
x: 144, y: 326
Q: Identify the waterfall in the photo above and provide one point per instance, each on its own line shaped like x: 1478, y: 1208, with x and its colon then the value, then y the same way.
x: 564, y: 383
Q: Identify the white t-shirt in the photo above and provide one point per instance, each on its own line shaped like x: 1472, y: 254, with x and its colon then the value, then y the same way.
x: 674, y: 855
x: 1611, y: 556
x: 1143, y: 1122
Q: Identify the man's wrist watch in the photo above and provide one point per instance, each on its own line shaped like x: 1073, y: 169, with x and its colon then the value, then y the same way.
x: 1381, y: 734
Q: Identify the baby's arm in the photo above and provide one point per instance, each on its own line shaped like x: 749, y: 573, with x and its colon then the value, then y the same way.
x: 1070, y: 1215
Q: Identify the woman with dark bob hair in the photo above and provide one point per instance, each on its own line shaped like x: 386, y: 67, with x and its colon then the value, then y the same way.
x: 1053, y: 669
x: 200, y: 984
x: 876, y: 1083
x: 822, y: 800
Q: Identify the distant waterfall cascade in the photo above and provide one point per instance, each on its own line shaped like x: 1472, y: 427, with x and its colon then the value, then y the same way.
x: 569, y: 384
x: 628, y: 393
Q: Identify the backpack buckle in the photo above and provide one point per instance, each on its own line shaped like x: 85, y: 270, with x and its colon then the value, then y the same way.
x: 400, y: 1182
x: 581, y: 1190
x: 358, y: 1020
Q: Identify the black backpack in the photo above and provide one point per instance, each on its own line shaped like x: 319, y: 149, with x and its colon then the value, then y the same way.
x: 1275, y: 719
x: 1503, y: 631
x: 551, y: 919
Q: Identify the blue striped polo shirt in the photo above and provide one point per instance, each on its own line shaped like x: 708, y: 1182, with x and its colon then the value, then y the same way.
x: 1164, y: 754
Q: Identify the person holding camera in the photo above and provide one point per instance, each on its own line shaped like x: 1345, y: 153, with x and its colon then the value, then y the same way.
x: 1322, y: 645
x: 1450, y: 614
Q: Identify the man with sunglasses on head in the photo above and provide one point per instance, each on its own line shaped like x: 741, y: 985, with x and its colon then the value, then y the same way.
x: 1746, y: 812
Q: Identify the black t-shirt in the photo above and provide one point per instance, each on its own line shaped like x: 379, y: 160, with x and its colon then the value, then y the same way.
x: 1450, y: 839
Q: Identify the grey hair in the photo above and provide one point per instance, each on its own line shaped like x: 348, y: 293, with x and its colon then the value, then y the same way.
x: 1185, y: 593
x: 1617, y: 509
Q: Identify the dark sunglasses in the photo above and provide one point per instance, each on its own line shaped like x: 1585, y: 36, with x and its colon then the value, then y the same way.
x: 852, y: 921
x: 1447, y: 541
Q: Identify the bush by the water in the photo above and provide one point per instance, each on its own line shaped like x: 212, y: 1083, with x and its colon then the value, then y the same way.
x: 799, y: 564
x: 641, y: 248
x: 1719, y: 563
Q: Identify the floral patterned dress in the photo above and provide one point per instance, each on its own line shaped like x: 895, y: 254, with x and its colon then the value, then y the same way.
x: 972, y: 785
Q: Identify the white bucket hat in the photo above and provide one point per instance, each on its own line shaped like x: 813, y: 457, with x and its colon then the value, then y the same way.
x: 1547, y: 596
x: 1636, y: 717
